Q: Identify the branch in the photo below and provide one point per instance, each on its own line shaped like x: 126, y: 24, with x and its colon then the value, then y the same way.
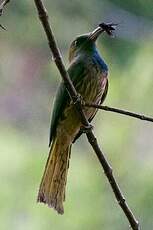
x: 2, y: 5
x: 121, y: 111
x: 77, y: 103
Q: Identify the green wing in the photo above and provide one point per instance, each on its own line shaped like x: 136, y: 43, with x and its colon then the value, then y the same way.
x: 59, y: 104
x: 76, y: 72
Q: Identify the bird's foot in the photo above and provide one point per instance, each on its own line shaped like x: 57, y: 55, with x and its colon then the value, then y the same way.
x: 79, y: 99
x: 86, y: 128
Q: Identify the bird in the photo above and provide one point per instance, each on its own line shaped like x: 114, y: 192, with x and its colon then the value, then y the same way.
x: 89, y: 75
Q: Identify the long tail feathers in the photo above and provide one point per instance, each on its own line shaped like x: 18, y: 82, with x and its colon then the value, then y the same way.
x: 52, y: 187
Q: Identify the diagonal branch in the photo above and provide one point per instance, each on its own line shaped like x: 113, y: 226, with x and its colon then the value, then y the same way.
x: 2, y: 5
x: 77, y: 101
x: 121, y: 111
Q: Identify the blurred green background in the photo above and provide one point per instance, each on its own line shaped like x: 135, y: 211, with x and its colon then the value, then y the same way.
x: 29, y: 80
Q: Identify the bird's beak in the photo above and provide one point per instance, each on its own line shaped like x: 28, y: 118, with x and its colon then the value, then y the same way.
x: 95, y: 34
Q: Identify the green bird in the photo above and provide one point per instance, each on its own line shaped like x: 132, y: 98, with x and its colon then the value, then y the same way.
x: 88, y: 72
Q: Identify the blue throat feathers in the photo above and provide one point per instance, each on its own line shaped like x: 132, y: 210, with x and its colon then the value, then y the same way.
x: 97, y: 58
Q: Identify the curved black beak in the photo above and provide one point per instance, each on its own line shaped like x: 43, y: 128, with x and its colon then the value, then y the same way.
x: 95, y: 34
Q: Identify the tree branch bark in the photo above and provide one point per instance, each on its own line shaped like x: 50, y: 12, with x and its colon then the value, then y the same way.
x: 42, y: 12
x: 120, y: 111
x: 2, y: 5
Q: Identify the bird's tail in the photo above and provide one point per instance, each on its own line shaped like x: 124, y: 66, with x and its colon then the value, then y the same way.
x: 52, y: 187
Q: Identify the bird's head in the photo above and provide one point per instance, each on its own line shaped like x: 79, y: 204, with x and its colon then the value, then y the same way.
x: 86, y: 42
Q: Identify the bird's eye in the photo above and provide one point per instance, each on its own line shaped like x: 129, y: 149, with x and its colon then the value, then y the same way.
x: 75, y: 42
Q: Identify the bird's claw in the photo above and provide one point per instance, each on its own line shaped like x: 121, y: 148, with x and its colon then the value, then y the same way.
x: 79, y: 98
x: 86, y: 128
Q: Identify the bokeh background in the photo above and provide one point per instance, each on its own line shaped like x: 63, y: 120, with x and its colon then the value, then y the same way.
x: 29, y: 80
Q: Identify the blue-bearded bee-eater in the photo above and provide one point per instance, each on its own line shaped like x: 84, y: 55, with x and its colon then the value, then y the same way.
x: 89, y: 74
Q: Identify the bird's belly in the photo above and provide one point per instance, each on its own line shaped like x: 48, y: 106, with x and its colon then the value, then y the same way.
x: 91, y: 90
x: 93, y: 93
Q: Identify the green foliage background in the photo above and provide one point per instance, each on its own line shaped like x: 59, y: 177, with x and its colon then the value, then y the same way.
x: 28, y: 83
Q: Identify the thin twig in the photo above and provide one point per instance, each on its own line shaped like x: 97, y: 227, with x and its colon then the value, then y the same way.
x: 2, y: 27
x: 121, y: 111
x: 2, y: 5
x: 77, y: 101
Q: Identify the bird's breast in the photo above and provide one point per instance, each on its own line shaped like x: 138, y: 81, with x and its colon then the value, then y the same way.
x: 91, y: 87
x: 93, y: 84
